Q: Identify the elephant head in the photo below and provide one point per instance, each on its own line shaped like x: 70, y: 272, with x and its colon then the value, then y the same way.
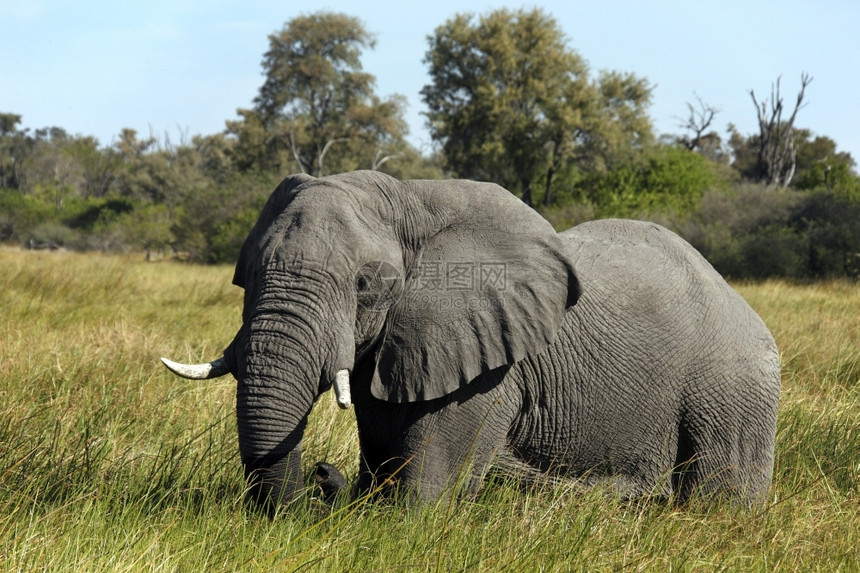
x: 425, y: 284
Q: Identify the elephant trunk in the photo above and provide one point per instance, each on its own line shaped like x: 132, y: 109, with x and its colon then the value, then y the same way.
x: 278, y: 380
x: 287, y: 353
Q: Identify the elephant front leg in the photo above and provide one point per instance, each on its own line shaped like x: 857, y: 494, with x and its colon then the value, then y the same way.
x: 440, y: 466
x: 377, y: 472
x: 422, y: 451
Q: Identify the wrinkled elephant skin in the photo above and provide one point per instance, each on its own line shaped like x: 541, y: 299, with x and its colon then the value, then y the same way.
x: 467, y: 333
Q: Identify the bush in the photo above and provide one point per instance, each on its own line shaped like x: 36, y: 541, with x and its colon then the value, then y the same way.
x: 212, y: 225
x: 830, y: 225
x: 731, y: 228
x: 52, y: 235
x: 146, y: 227
x: 772, y: 251
x: 86, y: 213
x: 668, y: 179
x: 566, y: 215
x: 20, y: 214
x: 229, y: 236
x: 757, y: 232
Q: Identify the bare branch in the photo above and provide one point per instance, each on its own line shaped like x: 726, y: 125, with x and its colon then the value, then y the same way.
x: 295, y: 149
x: 328, y: 145
x: 698, y: 121
x: 377, y: 162
x: 805, y: 80
x: 777, y: 155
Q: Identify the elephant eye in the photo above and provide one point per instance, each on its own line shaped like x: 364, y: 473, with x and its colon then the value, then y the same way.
x: 363, y: 282
x: 377, y: 285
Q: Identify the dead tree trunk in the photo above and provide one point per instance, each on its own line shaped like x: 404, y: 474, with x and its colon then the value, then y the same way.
x: 777, y: 151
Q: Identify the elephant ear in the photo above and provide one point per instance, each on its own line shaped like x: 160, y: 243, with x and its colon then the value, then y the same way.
x: 277, y: 202
x: 487, y: 286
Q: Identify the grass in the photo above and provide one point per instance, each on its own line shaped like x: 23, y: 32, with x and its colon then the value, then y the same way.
x: 109, y: 463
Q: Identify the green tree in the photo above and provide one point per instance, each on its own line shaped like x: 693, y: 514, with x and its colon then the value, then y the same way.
x: 820, y: 165
x: 13, y: 149
x: 511, y: 103
x: 744, y: 151
x: 253, y: 149
x: 316, y: 106
x: 214, y: 156
x: 668, y: 179
x: 137, y: 178
x: 623, y: 128
x: 49, y: 169
x: 97, y: 167
x: 160, y: 172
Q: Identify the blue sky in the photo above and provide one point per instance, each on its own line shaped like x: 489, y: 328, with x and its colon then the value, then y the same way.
x: 95, y: 67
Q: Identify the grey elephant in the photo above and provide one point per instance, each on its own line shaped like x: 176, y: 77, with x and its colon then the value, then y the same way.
x: 467, y: 333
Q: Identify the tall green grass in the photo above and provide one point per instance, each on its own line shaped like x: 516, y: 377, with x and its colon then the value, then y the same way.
x: 109, y: 463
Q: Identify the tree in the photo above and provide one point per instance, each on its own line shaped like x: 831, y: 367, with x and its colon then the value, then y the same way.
x: 49, y: 168
x: 98, y: 167
x: 511, y: 103
x: 818, y: 164
x: 14, y: 146
x: 777, y: 147
x: 698, y: 138
x: 621, y: 129
x: 821, y: 166
x: 253, y: 148
x: 214, y: 154
x: 316, y: 101
x: 668, y: 179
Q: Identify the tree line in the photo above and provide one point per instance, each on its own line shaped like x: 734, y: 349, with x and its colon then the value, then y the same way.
x: 508, y: 101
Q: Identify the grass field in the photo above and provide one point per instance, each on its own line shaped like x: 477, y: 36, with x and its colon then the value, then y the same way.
x: 109, y: 463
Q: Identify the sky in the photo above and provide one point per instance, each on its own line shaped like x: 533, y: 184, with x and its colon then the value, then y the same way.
x: 183, y: 67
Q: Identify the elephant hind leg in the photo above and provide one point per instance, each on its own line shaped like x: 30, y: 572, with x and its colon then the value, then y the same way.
x: 731, y: 460
x: 686, y: 469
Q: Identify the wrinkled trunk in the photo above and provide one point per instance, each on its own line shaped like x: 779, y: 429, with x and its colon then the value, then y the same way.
x: 278, y: 369
x: 292, y: 344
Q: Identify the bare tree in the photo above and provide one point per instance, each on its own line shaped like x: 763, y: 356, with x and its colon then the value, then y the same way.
x: 777, y: 151
x: 697, y: 122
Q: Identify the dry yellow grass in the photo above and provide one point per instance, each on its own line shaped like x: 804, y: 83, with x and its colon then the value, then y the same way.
x: 108, y: 463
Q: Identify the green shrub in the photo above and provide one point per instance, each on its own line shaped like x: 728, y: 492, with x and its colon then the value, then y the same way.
x: 212, y: 224
x: 86, y: 213
x: 566, y: 215
x: 668, y: 179
x: 830, y: 225
x: 229, y: 236
x: 51, y: 235
x: 20, y: 214
x: 744, y: 233
x: 757, y: 232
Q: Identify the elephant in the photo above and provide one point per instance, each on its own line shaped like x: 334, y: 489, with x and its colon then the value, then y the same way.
x: 469, y: 337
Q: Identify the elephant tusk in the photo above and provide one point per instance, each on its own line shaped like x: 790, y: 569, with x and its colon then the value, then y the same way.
x: 341, y: 389
x: 204, y: 371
